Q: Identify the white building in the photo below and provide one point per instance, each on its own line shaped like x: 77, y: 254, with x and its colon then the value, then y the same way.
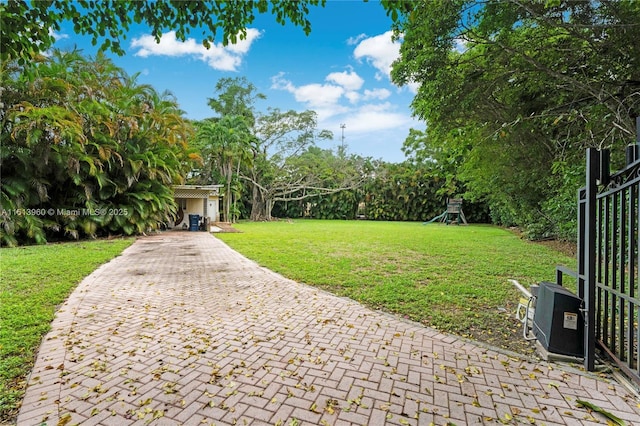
x: 201, y: 200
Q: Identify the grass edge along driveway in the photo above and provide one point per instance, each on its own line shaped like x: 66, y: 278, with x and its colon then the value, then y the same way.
x: 34, y: 281
x: 453, y: 278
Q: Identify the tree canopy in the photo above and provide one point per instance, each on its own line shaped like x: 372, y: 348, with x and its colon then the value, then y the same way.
x: 28, y: 26
x: 515, y: 91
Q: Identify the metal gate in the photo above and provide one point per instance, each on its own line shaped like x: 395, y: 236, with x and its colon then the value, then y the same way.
x: 609, y: 259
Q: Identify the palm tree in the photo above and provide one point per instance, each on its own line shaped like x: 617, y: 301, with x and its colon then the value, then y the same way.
x: 226, y: 146
x: 81, y: 134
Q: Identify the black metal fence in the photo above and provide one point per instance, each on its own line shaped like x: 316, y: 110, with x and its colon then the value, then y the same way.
x: 609, y: 260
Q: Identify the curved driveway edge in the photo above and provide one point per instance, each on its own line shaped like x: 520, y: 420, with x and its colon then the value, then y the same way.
x: 182, y: 330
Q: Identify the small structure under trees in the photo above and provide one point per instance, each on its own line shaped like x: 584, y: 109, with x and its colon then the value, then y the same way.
x: 454, y: 212
x: 201, y: 200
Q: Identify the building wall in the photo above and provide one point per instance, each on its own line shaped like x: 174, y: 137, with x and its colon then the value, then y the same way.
x: 193, y: 206
x: 202, y: 200
x: 213, y: 209
x: 196, y: 206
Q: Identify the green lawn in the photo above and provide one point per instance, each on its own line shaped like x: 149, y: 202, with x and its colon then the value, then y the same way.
x: 450, y: 277
x: 34, y: 280
x: 453, y: 278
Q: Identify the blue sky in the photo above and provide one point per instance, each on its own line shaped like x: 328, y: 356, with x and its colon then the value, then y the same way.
x: 341, y: 71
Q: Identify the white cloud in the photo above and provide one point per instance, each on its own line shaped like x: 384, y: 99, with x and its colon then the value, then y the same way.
x: 318, y: 94
x: 321, y: 98
x: 314, y: 95
x: 376, y: 117
x: 353, y: 96
x: 460, y: 44
x: 347, y: 84
x: 376, y: 94
x: 380, y: 51
x: 368, y: 95
x: 347, y: 79
x: 326, y: 113
x: 278, y: 82
x: 57, y: 36
x: 354, y: 40
x: 223, y: 58
x: 375, y: 130
x: 413, y: 87
x: 369, y: 118
x: 374, y: 125
x: 242, y: 46
x: 325, y: 99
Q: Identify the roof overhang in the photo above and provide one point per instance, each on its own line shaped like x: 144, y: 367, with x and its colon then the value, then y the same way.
x: 196, y: 191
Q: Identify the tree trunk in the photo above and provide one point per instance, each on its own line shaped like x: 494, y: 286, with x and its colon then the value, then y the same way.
x: 227, y: 171
x: 258, y: 206
x: 268, y: 208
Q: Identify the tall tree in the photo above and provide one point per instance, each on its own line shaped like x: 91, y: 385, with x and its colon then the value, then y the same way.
x: 225, y: 145
x: 279, y: 172
x: 227, y: 141
x: 236, y: 97
x: 520, y: 89
x: 322, y: 184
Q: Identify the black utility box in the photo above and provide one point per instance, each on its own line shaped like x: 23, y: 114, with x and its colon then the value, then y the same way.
x: 557, y: 322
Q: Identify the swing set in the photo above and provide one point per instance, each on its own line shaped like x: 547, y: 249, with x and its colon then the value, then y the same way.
x: 453, y: 213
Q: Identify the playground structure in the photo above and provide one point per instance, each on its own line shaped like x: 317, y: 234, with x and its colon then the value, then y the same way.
x: 453, y: 213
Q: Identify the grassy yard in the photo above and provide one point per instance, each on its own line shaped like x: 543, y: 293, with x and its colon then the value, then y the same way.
x: 33, y: 282
x: 453, y: 278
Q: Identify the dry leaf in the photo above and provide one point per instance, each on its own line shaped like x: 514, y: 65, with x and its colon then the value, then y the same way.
x: 66, y: 418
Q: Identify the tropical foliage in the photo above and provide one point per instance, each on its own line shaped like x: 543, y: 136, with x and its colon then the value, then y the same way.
x: 225, y: 146
x: 227, y: 142
x: 271, y: 167
x: 85, y: 150
x: 513, y: 92
x: 411, y: 191
x: 333, y: 185
x: 269, y: 160
x: 404, y: 192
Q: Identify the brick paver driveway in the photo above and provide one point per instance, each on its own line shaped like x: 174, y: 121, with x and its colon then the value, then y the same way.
x: 181, y: 329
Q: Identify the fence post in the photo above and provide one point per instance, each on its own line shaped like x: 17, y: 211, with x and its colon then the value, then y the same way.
x: 582, y: 201
x: 589, y: 259
x: 632, y: 154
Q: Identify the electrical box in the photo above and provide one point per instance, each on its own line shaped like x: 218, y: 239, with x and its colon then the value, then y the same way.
x: 558, y: 323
